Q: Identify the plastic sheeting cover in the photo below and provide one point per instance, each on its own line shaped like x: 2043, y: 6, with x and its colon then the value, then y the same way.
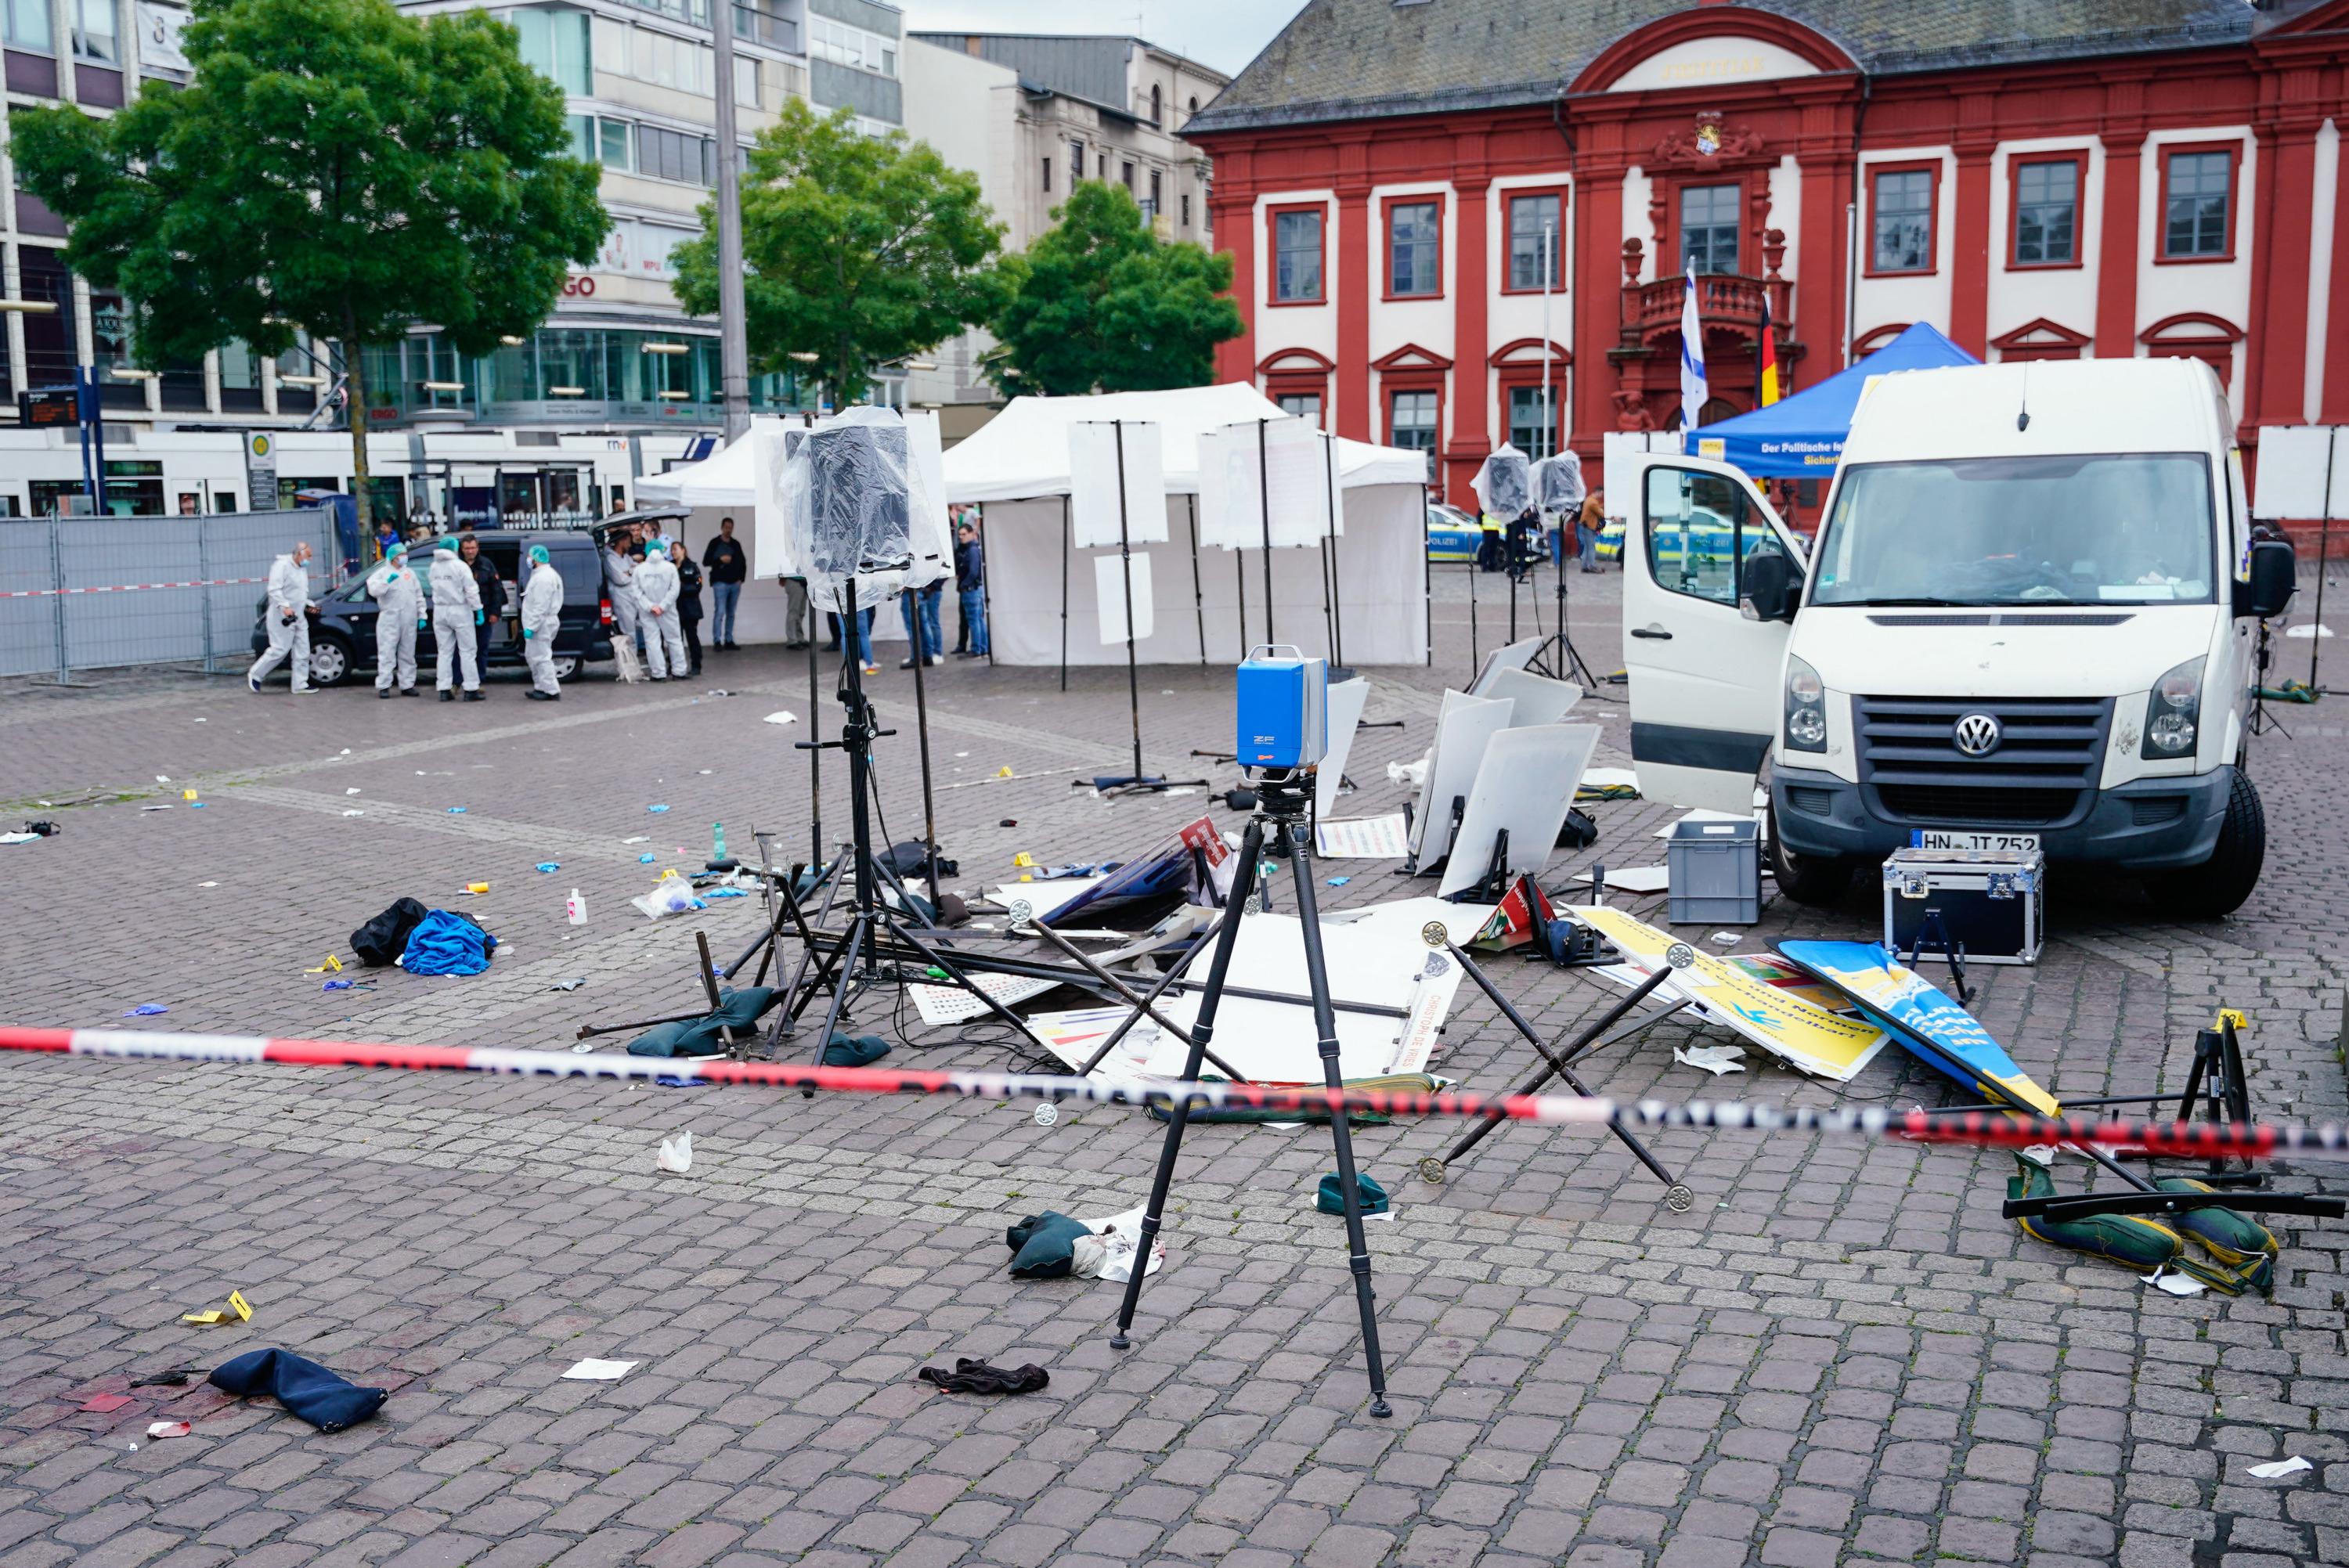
x: 1558, y: 483
x: 1504, y: 486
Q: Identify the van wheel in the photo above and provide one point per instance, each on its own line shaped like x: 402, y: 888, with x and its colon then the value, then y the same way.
x: 330, y: 660
x: 1818, y: 881
x: 2220, y: 884
x: 567, y: 666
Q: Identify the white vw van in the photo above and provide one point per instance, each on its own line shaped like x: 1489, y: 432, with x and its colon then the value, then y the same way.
x: 2028, y: 619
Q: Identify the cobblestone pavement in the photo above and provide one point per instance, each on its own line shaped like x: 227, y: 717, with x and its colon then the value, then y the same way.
x: 1842, y: 1354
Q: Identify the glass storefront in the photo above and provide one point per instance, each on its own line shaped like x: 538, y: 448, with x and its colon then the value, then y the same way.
x: 566, y: 375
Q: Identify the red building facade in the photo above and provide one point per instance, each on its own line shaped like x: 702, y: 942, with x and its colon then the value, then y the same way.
x: 2166, y: 184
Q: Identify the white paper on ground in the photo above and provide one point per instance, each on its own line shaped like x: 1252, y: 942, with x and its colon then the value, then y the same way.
x: 1344, y: 712
x: 1632, y: 879
x: 953, y: 1004
x: 1524, y: 788
x: 1362, y: 839
x: 1714, y: 1060
x: 1121, y: 1236
x: 1109, y: 590
x: 1094, y: 499
x: 2277, y: 1468
x: 1465, y: 725
x: 2307, y: 631
x: 1539, y: 699
x: 1377, y: 955
x: 594, y: 1371
x: 2173, y: 1283
x: 781, y: 716
x: 676, y: 1154
x: 1075, y: 1035
x: 1414, y: 774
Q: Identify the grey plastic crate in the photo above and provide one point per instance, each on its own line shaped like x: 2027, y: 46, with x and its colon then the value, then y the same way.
x: 1716, y: 873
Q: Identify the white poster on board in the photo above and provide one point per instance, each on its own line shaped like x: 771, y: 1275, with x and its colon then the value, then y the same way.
x: 2303, y: 473
x: 1296, y: 484
x: 1231, y: 499
x: 1109, y: 595
x: 1096, y: 504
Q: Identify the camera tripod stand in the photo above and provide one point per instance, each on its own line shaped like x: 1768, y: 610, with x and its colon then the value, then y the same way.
x: 1558, y: 657
x: 832, y: 959
x: 1285, y: 798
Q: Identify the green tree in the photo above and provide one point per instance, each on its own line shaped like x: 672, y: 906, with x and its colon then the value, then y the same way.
x: 857, y: 250
x: 1100, y: 303
x: 334, y: 166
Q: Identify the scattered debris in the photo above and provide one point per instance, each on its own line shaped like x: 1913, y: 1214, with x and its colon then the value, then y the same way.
x: 146, y: 1010
x: 594, y: 1371
x: 106, y: 1404
x: 2173, y: 1283
x: 573, y: 984
x: 456, y: 811
x: 550, y: 866
x: 1714, y: 1060
x: 475, y: 889
x: 971, y: 1376
x: 332, y: 965
x: 657, y: 810
x: 167, y: 1429
x: 325, y: 1399
x: 676, y: 1154
x: 352, y: 790
x: 2279, y: 1468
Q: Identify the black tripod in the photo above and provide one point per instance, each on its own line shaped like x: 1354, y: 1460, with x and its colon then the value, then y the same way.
x: 1558, y: 657
x: 832, y: 959
x: 1284, y: 800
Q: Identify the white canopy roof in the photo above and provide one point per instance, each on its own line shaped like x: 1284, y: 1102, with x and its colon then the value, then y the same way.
x: 1023, y: 451
x: 722, y: 479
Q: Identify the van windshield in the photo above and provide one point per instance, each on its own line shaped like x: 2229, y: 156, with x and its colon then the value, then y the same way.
x: 2126, y: 527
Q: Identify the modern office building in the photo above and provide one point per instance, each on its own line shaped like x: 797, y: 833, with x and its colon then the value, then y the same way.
x: 618, y: 355
x: 1410, y: 188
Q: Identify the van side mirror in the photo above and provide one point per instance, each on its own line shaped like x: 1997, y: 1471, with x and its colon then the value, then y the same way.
x: 2274, y: 577
x: 1769, y: 588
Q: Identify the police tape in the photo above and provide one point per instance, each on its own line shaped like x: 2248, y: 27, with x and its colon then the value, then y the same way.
x: 1987, y: 1129
x: 127, y: 587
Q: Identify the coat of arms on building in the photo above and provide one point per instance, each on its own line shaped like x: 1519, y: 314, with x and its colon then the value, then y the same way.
x: 1707, y: 139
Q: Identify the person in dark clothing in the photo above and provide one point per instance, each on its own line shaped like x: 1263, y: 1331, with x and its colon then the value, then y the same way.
x: 688, y: 604
x: 493, y: 597
x: 728, y: 565
x: 971, y: 592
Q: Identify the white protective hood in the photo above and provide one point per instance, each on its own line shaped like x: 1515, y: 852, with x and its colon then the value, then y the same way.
x: 1023, y: 452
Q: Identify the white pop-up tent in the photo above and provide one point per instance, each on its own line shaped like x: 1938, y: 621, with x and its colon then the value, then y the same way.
x: 1207, y: 605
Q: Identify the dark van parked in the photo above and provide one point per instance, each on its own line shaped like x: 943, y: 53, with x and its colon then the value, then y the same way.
x: 342, y: 625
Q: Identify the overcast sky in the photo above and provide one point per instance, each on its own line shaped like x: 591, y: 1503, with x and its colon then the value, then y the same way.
x: 1225, y: 33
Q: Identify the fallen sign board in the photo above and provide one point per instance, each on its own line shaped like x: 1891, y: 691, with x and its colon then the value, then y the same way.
x: 1383, y: 838
x: 1805, y: 1036
x: 1170, y: 870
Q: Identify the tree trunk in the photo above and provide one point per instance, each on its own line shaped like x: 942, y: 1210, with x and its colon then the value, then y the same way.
x: 356, y: 407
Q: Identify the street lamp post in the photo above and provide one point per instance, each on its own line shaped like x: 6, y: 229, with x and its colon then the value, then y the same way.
x: 733, y: 350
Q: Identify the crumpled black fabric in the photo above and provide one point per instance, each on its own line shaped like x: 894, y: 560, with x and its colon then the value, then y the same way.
x: 971, y: 1376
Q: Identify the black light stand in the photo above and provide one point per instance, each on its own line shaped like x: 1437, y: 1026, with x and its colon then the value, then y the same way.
x: 1558, y: 657
x: 1285, y: 800
x: 1137, y: 781
x: 872, y: 923
x: 912, y: 606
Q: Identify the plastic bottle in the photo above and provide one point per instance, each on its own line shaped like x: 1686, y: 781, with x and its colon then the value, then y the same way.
x: 716, y: 842
x: 574, y: 908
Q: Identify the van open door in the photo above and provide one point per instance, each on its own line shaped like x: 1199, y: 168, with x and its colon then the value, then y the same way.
x: 1706, y: 668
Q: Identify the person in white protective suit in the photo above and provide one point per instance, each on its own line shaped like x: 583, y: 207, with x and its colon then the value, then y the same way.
x: 542, y: 617
x: 456, y: 611
x: 656, y: 587
x: 399, y: 595
x: 287, y: 618
x: 620, y: 586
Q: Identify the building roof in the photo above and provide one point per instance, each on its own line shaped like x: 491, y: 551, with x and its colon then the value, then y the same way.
x: 1088, y: 66
x: 1357, y: 59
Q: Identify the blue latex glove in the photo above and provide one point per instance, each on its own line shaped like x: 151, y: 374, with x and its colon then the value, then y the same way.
x: 477, y: 617
x: 527, y: 634
x: 422, y: 622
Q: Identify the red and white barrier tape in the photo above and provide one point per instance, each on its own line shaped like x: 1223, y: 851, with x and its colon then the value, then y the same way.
x: 1991, y: 1130
x: 127, y: 587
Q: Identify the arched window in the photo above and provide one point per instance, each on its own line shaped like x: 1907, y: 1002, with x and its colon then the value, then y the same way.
x: 1195, y: 103
x: 1153, y: 103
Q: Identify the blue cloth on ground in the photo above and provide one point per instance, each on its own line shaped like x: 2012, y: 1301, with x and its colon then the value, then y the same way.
x: 1330, y: 1198
x: 1043, y: 1245
x: 446, y: 943
x: 320, y: 1398
x: 854, y: 1050
x: 738, y: 1008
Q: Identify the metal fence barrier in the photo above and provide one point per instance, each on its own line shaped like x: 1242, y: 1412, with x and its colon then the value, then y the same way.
x: 104, y: 593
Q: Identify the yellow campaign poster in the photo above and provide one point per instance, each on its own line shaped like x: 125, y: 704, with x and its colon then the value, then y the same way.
x: 1805, y: 1036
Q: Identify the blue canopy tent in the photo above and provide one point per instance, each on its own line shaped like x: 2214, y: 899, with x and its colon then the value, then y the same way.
x: 1802, y: 437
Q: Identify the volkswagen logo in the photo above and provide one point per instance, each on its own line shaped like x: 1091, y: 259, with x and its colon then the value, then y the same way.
x: 1976, y: 735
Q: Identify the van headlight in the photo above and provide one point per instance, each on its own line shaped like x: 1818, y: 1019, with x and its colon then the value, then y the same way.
x: 1806, y: 707
x: 2173, y: 714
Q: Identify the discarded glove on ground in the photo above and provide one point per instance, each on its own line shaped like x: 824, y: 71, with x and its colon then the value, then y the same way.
x: 971, y: 1376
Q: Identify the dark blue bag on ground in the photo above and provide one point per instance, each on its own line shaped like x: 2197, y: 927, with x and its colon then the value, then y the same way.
x: 320, y: 1398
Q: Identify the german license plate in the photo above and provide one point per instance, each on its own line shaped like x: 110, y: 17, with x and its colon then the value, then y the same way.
x: 1949, y: 839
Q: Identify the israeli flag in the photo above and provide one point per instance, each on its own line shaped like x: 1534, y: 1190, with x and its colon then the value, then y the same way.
x: 1693, y: 384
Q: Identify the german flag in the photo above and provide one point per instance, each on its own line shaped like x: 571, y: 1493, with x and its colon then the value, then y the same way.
x: 1765, y: 361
